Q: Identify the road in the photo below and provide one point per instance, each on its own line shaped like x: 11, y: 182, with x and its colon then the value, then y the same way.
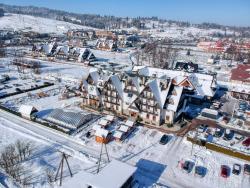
x: 64, y: 141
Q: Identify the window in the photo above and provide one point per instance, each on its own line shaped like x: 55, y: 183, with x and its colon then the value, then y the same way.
x: 147, y: 116
x: 171, y: 101
x: 117, y: 108
x: 154, y: 118
x: 167, y: 118
x: 174, y: 92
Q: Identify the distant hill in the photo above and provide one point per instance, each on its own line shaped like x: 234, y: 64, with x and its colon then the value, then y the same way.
x: 107, y: 22
x: 37, y: 24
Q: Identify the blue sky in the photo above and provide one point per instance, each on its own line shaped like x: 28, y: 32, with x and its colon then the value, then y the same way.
x: 228, y: 12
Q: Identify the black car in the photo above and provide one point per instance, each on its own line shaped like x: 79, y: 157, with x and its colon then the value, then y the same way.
x: 88, y: 134
x: 202, y: 128
x: 164, y: 139
x: 247, y: 169
x: 228, y: 135
x: 219, y: 132
x: 188, y: 166
x: 236, y: 169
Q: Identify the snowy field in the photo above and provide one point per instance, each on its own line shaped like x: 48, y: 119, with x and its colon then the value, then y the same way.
x: 180, y: 33
x: 114, y: 57
x: 37, y: 24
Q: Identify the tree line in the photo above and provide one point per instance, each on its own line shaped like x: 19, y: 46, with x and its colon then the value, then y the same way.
x: 106, y: 21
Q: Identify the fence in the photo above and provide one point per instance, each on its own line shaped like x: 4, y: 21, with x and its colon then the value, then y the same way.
x: 220, y: 149
x: 26, y: 90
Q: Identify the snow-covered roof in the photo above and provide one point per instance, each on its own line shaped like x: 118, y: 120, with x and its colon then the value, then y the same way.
x: 47, y: 48
x: 110, y: 118
x: 26, y: 109
x: 118, y: 134
x: 124, y: 128
x: 174, y: 98
x: 101, y: 132
x: 210, y: 111
x: 129, y: 123
x: 68, y: 119
x: 96, y: 126
x: 103, y: 122
x: 159, y: 94
x: 114, y: 175
x: 201, y: 82
x: 64, y: 49
x: 118, y: 85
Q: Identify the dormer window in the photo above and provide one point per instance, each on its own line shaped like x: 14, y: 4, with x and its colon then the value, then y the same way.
x: 171, y: 101
x: 130, y: 95
x: 174, y: 92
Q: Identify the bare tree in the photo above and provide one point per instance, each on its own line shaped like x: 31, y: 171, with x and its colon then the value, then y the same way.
x: 11, y: 159
x: 50, y: 175
x: 158, y: 54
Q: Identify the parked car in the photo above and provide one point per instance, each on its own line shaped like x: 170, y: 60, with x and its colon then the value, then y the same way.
x: 246, y: 142
x: 18, y: 89
x: 164, y: 139
x: 219, y: 132
x: 243, y: 105
x: 247, y: 169
x: 209, y: 131
x: 239, y: 137
x: 228, y: 135
x: 200, y: 171
x: 188, y: 166
x: 88, y: 134
x: 225, y: 171
x: 236, y: 169
x: 202, y: 128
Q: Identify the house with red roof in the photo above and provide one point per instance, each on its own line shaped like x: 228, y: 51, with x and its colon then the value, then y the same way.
x: 241, y: 77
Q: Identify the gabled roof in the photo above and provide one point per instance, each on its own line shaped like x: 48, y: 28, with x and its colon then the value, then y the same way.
x: 101, y: 132
x: 129, y: 123
x: 118, y: 85
x: 26, y: 109
x: 124, y: 128
x: 173, y: 99
x: 159, y: 94
x: 118, y: 134
x: 47, y: 48
x: 202, y: 82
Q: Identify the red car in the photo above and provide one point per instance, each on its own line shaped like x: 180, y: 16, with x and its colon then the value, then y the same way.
x: 224, y: 171
x: 246, y: 142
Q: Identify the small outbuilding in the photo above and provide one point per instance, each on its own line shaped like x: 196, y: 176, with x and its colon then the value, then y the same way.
x: 102, y: 135
x: 130, y: 123
x: 124, y: 128
x: 27, y: 111
x: 118, y: 135
x: 103, y: 123
x: 110, y: 118
x: 96, y: 127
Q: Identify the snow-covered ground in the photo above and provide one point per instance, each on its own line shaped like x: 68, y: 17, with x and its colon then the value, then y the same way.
x: 46, y: 155
x: 37, y: 24
x: 156, y: 163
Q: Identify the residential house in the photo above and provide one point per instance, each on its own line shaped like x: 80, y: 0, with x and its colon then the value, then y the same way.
x: 106, y: 45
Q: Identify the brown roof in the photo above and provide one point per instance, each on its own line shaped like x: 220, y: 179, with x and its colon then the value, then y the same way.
x: 241, y: 73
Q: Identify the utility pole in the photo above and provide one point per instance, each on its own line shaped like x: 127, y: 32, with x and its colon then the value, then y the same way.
x: 64, y: 157
x: 101, y: 153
